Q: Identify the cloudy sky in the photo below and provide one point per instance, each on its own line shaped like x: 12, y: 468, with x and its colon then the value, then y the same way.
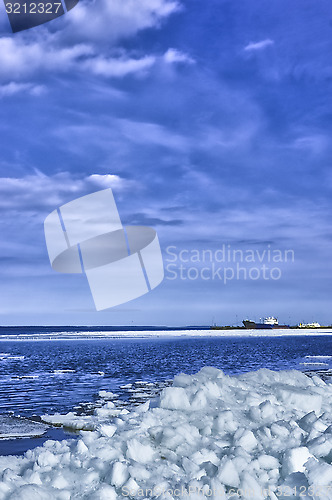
x: 211, y: 121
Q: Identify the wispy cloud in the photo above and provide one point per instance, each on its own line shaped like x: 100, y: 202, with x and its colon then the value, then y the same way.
x: 20, y: 60
x: 119, y: 67
x: 111, y: 21
x: 315, y: 143
x: 152, y: 134
x: 85, y: 40
x: 38, y: 191
x: 176, y: 56
x: 13, y: 88
x: 252, y: 46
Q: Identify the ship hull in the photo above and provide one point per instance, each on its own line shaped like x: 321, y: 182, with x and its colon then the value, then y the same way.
x: 251, y: 325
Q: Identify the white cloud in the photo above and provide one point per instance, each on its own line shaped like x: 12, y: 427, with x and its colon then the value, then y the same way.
x: 175, y: 56
x: 252, y: 46
x: 122, y: 66
x: 86, y: 39
x: 112, y: 20
x: 38, y: 191
x: 20, y: 59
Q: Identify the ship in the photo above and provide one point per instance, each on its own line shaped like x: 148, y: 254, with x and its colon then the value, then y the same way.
x: 310, y: 325
x: 267, y: 324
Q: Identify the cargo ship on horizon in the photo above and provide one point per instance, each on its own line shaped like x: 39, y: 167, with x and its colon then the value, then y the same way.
x: 267, y: 324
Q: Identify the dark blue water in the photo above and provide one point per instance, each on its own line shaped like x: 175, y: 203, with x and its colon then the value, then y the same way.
x: 110, y: 363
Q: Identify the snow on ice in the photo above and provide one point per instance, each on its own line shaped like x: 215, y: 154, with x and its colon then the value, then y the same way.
x: 260, y: 435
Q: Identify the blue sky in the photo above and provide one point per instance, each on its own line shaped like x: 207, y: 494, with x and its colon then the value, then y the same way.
x: 211, y: 121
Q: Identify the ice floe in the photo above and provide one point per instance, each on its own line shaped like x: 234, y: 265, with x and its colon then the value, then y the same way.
x: 259, y: 435
x: 14, y: 427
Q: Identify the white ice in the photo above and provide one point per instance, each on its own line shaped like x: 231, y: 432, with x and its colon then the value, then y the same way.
x: 56, y: 336
x: 260, y: 435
